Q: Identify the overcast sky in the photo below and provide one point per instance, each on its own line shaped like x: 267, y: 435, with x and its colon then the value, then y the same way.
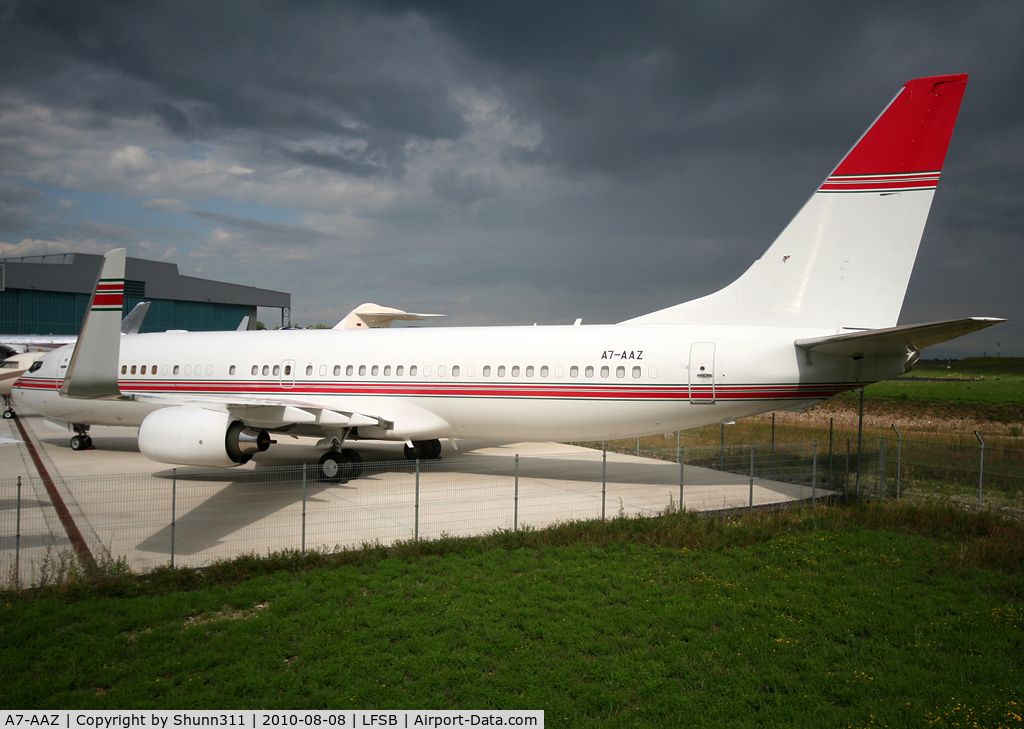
x: 500, y: 162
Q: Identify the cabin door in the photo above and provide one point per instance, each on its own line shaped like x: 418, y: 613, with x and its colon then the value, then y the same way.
x: 702, y: 373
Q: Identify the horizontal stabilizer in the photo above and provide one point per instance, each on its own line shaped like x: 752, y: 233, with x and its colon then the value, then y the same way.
x: 895, y: 340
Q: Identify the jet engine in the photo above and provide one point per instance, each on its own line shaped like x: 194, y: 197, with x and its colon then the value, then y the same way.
x: 197, y: 437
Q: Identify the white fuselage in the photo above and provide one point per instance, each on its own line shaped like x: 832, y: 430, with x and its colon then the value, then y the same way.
x: 502, y: 383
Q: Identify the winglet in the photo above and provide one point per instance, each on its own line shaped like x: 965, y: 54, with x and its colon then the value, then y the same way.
x: 92, y: 372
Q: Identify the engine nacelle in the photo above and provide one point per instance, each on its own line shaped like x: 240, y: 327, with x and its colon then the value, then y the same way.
x: 197, y: 437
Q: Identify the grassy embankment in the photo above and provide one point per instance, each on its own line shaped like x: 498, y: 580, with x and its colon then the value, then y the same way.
x: 937, y: 407
x: 879, y: 614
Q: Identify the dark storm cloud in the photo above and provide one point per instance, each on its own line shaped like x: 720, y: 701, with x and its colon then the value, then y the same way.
x: 268, y: 233
x: 692, y: 131
x: 285, y: 70
x: 19, y: 207
x: 463, y: 188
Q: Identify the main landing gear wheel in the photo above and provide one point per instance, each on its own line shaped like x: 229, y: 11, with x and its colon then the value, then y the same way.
x: 357, y: 462
x: 8, y: 414
x: 336, y: 467
x: 81, y: 442
x: 425, y: 450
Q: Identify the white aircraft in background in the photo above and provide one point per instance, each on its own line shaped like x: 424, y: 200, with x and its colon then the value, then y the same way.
x: 815, y: 316
x: 23, y: 351
x: 21, y: 343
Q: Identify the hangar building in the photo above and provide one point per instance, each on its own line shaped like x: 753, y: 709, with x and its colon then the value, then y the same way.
x: 50, y: 294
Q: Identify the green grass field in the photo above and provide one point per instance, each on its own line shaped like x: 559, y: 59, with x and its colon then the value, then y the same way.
x: 869, y: 615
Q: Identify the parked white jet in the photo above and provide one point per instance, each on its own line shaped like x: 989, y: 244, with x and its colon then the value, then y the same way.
x: 22, y: 343
x: 814, y: 316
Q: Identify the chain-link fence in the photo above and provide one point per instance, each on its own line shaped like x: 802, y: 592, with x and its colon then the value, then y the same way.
x: 963, y: 470
x: 192, y: 517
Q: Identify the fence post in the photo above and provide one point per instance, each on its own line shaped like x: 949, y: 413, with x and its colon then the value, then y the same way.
x: 830, y: 482
x: 682, y: 465
x: 638, y: 446
x: 303, y: 508
x: 814, y: 476
x: 771, y: 473
x: 604, y: 476
x: 17, y: 541
x: 174, y: 498
x: 677, y: 448
x: 899, y: 458
x: 860, y: 439
x: 721, y: 454
x: 981, y: 468
x: 881, y: 467
x: 515, y: 500
x: 416, y: 523
x: 846, y: 479
x: 751, y: 506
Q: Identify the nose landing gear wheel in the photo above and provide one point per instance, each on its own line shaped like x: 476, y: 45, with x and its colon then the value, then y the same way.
x: 8, y: 414
x: 336, y: 467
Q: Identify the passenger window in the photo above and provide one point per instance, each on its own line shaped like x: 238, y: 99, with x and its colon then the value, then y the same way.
x: 487, y: 370
x: 455, y: 370
x: 590, y: 371
x: 412, y: 370
x: 529, y: 370
x: 323, y: 370
x: 501, y: 370
x: 374, y: 370
x: 604, y: 371
x: 255, y: 370
x: 349, y: 370
x: 441, y: 371
x: 199, y: 370
x: 636, y: 373
x: 337, y: 370
x: 652, y: 372
x: 620, y: 371
x: 124, y: 369
x: 231, y: 370
x: 544, y: 371
x: 387, y: 370
x: 470, y: 371
x: 309, y: 370
x: 133, y: 369
x: 163, y: 369
x: 188, y: 369
x: 209, y: 369
x: 277, y: 370
x: 574, y: 371
x: 399, y: 370
x: 559, y: 371
x: 515, y: 370
x: 426, y: 370
x: 153, y: 370
x: 287, y: 370
x: 362, y: 370
x: 143, y: 370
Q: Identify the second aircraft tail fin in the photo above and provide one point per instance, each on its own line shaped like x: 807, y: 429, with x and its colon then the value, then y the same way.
x: 845, y: 260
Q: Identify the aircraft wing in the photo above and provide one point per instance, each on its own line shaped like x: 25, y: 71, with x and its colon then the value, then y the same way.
x: 895, y: 340
x: 377, y: 416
